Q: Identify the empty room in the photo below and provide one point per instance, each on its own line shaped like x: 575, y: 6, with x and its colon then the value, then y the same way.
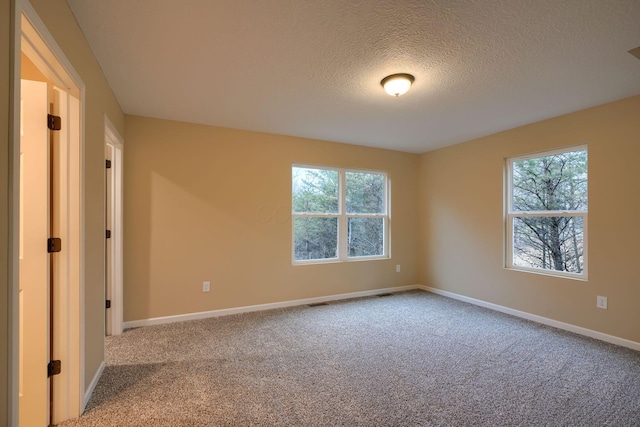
x: 319, y: 213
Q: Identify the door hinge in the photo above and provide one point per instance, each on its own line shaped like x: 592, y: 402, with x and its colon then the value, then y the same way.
x: 54, y: 244
x: 108, y: 164
x: 54, y: 122
x: 108, y: 234
x: 108, y: 304
x: 54, y: 368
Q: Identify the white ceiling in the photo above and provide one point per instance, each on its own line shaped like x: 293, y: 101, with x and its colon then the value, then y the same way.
x: 312, y: 68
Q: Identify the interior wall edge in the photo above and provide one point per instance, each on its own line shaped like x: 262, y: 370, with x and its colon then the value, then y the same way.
x: 92, y: 386
x: 9, y: 67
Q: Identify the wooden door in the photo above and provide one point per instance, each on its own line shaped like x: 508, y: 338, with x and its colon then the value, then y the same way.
x: 34, y: 257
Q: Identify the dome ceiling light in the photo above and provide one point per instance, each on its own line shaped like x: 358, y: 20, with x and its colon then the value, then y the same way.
x: 397, y: 84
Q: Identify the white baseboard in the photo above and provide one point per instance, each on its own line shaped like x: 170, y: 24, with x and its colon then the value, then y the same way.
x: 539, y: 319
x: 92, y: 386
x: 260, y: 307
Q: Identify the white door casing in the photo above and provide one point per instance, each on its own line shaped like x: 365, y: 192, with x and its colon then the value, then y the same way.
x: 63, y: 183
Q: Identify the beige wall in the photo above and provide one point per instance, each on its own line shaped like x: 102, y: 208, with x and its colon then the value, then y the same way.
x: 6, y: 83
x: 461, y: 220
x: 61, y: 23
x: 207, y: 203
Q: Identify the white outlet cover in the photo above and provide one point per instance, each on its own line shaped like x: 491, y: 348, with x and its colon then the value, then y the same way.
x: 206, y: 286
x: 601, y: 302
x: 398, y: 268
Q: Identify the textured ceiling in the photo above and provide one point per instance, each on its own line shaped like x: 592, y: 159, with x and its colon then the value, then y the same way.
x: 312, y: 68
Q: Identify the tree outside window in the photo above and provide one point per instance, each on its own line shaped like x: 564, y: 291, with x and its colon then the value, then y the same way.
x: 338, y: 214
x: 547, y: 212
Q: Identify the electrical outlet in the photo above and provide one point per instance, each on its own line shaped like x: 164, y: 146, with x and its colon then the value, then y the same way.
x: 398, y: 268
x: 206, y: 286
x: 601, y: 302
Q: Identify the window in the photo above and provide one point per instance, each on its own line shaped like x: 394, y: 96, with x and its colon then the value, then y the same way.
x: 547, y: 212
x: 339, y: 214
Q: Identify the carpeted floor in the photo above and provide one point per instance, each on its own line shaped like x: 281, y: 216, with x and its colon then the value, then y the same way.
x: 409, y: 359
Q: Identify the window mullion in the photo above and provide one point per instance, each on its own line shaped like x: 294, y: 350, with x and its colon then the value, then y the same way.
x: 343, y: 219
x: 547, y: 213
x: 315, y: 214
x: 356, y: 215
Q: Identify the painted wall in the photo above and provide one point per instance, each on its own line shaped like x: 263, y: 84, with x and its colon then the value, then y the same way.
x: 461, y: 220
x: 207, y: 203
x: 6, y: 296
x: 99, y: 101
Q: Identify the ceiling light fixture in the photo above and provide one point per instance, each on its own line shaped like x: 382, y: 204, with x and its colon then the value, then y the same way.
x: 397, y: 84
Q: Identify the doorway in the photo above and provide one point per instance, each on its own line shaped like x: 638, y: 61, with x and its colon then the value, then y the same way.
x: 48, y: 186
x: 113, y: 226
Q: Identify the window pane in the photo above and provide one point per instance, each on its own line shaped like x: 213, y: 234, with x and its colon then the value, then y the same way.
x: 365, y: 193
x: 314, y: 190
x: 315, y: 238
x: 366, y: 236
x: 551, y: 183
x: 550, y: 243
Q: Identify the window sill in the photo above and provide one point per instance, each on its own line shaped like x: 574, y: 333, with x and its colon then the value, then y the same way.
x: 552, y: 273
x: 339, y: 261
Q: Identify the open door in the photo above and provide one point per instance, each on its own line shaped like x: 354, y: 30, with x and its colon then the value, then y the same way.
x: 109, y: 276
x: 34, y: 384
x: 113, y: 226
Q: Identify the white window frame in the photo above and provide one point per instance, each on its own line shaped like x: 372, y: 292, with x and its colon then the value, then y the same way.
x: 510, y: 215
x: 343, y: 219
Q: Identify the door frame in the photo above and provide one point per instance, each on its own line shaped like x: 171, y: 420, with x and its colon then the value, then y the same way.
x: 114, y: 143
x: 32, y: 37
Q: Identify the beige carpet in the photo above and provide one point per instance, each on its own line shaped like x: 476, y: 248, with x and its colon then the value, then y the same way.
x: 409, y: 359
